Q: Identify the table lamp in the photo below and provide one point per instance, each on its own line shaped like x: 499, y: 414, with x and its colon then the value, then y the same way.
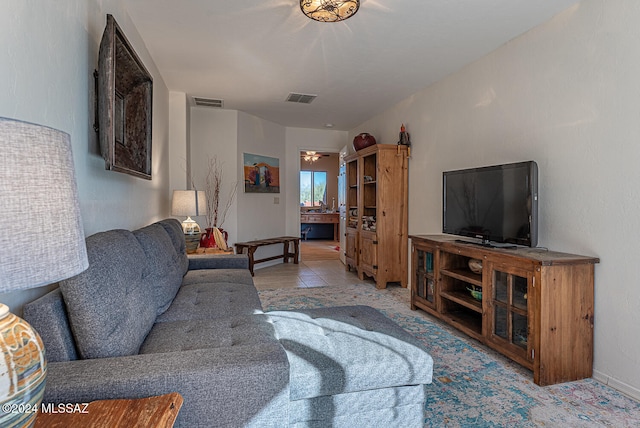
x: 41, y: 242
x: 187, y: 203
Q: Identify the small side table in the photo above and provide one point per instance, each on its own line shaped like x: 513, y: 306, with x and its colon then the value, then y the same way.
x: 160, y: 411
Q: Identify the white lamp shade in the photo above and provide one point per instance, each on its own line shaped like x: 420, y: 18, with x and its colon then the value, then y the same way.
x: 41, y: 242
x: 41, y: 234
x: 186, y: 203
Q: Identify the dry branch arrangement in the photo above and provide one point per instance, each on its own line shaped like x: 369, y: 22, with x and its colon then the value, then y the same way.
x: 213, y: 186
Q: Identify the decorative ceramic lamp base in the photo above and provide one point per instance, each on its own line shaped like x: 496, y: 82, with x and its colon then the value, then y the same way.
x: 23, y: 369
x: 192, y: 241
x: 191, y: 231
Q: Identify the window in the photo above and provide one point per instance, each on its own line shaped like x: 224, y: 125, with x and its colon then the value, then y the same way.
x: 313, y: 188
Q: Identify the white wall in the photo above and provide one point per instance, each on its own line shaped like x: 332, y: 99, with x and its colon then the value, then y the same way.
x: 49, y: 51
x: 262, y: 215
x: 214, y: 134
x: 179, y: 141
x: 566, y: 95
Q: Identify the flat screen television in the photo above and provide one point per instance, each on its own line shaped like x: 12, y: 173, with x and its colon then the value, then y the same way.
x: 496, y: 204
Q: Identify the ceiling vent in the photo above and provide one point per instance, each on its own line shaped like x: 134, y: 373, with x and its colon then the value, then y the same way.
x: 208, y: 102
x: 300, y: 98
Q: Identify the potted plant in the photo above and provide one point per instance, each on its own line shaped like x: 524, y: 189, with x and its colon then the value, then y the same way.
x: 215, y: 214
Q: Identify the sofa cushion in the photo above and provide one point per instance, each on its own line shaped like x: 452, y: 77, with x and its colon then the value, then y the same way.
x: 164, y: 268
x: 206, y: 301
x: 174, y: 230
x: 110, y: 307
x: 236, y: 276
x: 207, y: 334
x: 224, y: 261
x: 348, y: 349
x: 48, y: 316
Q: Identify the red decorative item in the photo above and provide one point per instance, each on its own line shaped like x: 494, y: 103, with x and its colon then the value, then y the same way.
x: 363, y: 140
x: 207, y: 240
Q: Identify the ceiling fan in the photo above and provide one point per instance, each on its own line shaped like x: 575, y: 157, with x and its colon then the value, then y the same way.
x: 311, y: 156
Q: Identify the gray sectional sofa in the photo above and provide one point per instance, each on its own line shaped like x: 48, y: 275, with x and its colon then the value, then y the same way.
x: 146, y: 319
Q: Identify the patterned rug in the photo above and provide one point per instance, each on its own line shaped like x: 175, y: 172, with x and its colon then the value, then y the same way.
x: 474, y: 386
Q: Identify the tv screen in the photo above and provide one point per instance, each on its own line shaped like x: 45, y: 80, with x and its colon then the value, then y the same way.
x: 493, y: 203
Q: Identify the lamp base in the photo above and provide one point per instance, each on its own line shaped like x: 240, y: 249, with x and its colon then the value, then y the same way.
x: 192, y: 240
x: 189, y: 226
x: 23, y: 369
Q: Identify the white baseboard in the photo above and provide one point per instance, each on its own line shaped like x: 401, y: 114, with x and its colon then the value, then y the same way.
x: 617, y: 385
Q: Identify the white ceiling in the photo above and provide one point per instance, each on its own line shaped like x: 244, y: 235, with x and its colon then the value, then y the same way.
x: 253, y: 53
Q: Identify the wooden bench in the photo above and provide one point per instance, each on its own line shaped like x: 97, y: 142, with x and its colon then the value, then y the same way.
x: 252, y: 246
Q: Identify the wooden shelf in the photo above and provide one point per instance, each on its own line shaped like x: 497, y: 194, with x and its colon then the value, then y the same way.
x: 464, y: 275
x: 463, y: 299
x: 466, y: 322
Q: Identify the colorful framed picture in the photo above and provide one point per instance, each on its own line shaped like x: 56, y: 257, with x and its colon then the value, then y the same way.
x: 261, y: 174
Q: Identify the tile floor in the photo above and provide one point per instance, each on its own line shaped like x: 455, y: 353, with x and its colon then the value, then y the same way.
x: 306, y: 274
x: 310, y: 272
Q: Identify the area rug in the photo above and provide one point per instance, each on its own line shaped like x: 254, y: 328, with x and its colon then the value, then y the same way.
x: 474, y: 386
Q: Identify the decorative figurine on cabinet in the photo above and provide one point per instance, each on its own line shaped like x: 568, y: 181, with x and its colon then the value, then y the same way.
x: 404, y: 140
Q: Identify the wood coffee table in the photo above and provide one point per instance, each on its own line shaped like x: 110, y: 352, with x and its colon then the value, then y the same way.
x: 160, y: 411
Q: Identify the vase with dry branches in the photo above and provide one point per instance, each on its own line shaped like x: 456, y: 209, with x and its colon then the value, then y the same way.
x: 217, y: 209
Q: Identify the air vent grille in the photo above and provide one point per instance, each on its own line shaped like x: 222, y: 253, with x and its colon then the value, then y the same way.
x: 208, y: 102
x: 300, y: 98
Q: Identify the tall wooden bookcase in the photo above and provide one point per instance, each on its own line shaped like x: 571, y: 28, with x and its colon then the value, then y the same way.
x: 377, y: 213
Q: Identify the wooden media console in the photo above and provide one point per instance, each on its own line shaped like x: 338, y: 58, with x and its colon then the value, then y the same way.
x: 533, y: 305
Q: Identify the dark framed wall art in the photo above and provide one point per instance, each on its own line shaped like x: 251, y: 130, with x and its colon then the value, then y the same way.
x: 124, y: 110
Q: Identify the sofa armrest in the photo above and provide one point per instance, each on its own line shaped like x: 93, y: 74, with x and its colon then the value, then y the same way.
x: 233, y: 386
x: 212, y: 261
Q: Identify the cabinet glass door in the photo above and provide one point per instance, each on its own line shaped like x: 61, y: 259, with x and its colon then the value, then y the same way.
x: 352, y: 194
x: 369, y: 192
x: 424, y: 278
x: 510, y: 308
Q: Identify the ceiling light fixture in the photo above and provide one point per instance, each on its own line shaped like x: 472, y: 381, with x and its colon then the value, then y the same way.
x: 329, y: 10
x: 311, y: 157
